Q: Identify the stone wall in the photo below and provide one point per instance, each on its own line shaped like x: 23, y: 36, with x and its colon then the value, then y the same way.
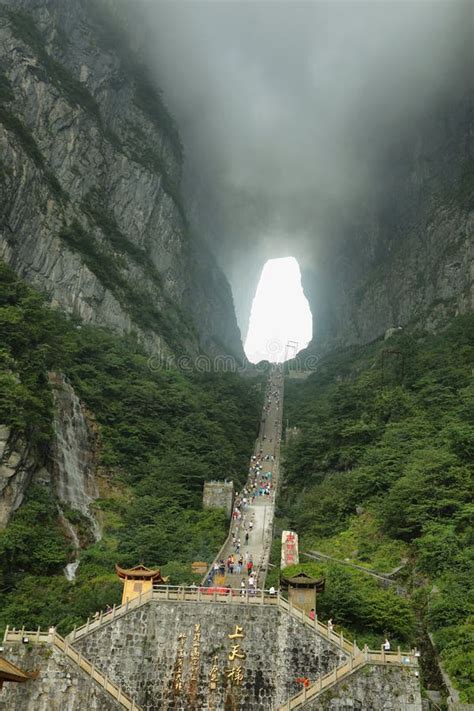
x: 373, y: 687
x: 60, y: 686
x: 218, y: 495
x: 140, y: 652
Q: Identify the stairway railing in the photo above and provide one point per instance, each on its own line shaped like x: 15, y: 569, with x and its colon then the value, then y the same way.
x: 222, y: 595
x: 356, y: 658
x: 366, y: 656
x: 38, y: 637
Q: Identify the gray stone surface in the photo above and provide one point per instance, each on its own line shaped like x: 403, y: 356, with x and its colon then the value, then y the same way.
x: 107, y: 151
x: 139, y: 652
x: 218, y: 495
x: 374, y: 688
x: 70, y: 469
x: 60, y: 686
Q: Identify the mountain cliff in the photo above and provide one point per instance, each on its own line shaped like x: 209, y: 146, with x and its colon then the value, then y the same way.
x: 90, y: 176
x: 406, y: 255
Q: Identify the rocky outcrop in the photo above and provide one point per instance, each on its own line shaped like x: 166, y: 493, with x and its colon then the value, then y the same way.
x: 90, y: 172
x: 406, y: 257
x: 69, y: 470
x: 74, y: 453
x: 17, y: 466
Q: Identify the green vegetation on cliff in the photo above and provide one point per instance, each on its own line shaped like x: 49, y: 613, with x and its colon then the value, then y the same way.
x: 381, y: 474
x: 161, y: 435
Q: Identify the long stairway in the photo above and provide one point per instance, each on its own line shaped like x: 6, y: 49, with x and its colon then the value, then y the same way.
x: 258, y: 513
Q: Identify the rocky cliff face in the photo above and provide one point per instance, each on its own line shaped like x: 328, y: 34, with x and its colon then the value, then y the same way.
x: 17, y: 466
x: 406, y: 257
x: 398, y: 253
x: 69, y: 471
x: 90, y: 172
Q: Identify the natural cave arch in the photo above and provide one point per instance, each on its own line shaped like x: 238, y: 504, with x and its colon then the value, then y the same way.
x: 280, y: 321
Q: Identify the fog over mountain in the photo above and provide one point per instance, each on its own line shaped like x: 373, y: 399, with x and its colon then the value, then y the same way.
x: 288, y: 110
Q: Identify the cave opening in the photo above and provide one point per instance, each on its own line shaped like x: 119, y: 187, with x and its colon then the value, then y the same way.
x: 280, y: 323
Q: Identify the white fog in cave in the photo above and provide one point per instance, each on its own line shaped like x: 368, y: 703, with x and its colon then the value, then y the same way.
x: 280, y: 320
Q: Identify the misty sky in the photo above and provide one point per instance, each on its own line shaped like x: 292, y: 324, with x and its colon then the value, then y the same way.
x: 280, y: 314
x: 288, y: 110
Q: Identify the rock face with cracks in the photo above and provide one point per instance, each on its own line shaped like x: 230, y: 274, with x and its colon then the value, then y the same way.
x: 90, y: 172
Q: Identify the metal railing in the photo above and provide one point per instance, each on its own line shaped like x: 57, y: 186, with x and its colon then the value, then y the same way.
x: 38, y: 637
x: 366, y: 656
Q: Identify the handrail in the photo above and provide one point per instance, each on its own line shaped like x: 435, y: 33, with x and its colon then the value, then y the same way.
x: 216, y: 594
x: 114, y: 613
x: 366, y: 656
x: 39, y: 637
x: 319, y: 627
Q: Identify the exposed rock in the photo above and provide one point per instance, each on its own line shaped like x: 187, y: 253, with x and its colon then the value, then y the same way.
x: 91, y: 165
x: 70, y: 469
x: 17, y: 465
x: 406, y: 257
x: 74, y: 453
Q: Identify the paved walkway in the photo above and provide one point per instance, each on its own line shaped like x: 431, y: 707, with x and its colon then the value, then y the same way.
x: 259, y: 510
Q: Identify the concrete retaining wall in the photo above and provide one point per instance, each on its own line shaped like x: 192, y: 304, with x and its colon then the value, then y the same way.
x: 60, y: 686
x: 140, y: 652
x: 374, y: 687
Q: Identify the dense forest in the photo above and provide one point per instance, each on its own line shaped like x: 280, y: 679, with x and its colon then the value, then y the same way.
x: 380, y: 474
x: 161, y: 434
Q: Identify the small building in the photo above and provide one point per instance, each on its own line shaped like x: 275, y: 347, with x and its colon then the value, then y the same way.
x: 219, y: 495
x: 138, y: 580
x: 302, y: 589
x: 199, y: 567
x: 10, y: 672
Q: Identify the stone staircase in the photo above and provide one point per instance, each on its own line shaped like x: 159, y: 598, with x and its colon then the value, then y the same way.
x: 354, y: 664
x: 63, y: 645
x: 355, y: 659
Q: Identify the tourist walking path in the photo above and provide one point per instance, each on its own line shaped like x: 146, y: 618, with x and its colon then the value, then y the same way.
x: 254, y: 507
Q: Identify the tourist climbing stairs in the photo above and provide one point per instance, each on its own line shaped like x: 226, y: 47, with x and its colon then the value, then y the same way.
x: 63, y: 645
x: 256, y: 511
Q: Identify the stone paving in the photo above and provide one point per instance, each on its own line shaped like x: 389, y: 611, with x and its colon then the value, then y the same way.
x: 260, y: 509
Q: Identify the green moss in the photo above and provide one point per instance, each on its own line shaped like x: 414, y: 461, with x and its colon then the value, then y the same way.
x: 95, y: 256
x: 94, y: 205
x: 140, y: 151
x: 134, y: 299
x: 6, y: 92
x: 147, y: 97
